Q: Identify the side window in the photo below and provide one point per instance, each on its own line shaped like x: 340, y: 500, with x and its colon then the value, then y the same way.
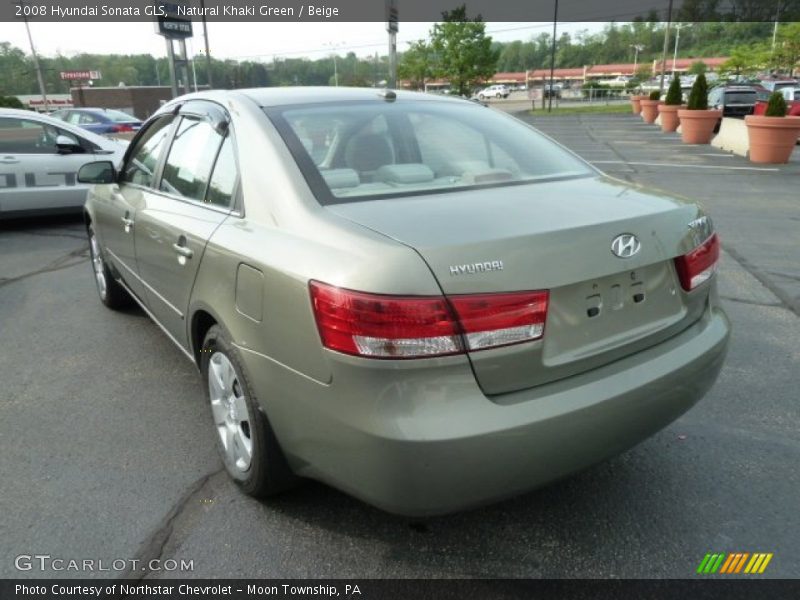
x: 74, y: 118
x: 86, y: 119
x: 188, y: 167
x: 223, y: 180
x: 142, y: 161
x: 23, y: 136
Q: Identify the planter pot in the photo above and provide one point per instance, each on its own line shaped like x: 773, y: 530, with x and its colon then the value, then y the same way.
x: 669, y: 117
x: 697, y: 126
x: 636, y: 104
x: 650, y: 110
x: 772, y: 139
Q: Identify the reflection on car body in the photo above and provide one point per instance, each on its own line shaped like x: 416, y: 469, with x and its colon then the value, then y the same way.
x: 299, y: 246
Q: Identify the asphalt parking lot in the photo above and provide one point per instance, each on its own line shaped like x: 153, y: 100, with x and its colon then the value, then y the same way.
x: 107, y: 444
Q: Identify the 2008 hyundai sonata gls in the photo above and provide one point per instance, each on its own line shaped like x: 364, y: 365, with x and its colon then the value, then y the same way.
x: 419, y: 300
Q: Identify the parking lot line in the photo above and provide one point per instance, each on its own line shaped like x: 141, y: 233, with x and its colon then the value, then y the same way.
x: 685, y: 166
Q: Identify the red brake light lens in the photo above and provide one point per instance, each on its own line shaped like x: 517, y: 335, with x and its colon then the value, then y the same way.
x: 699, y: 265
x: 122, y: 128
x: 382, y: 326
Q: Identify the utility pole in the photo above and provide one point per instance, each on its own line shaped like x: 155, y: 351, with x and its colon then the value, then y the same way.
x: 205, y: 38
x: 552, y: 58
x: 666, y: 47
x: 36, y: 64
x: 392, y: 18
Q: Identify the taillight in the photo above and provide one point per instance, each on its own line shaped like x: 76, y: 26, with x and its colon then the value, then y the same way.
x: 380, y: 326
x: 699, y: 265
x: 122, y: 129
x: 490, y: 320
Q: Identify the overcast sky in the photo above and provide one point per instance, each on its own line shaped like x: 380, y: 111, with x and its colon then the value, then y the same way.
x: 247, y: 40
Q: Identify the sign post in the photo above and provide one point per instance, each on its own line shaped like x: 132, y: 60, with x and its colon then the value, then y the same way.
x: 173, y: 28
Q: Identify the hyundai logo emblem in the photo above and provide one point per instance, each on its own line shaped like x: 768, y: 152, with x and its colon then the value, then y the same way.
x: 625, y: 245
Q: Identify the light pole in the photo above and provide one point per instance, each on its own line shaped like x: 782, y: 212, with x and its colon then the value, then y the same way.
x: 636, y: 49
x: 666, y: 46
x: 553, y: 57
x: 333, y: 46
x: 677, y: 41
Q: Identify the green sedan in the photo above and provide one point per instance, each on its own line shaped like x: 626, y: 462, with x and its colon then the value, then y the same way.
x: 415, y: 299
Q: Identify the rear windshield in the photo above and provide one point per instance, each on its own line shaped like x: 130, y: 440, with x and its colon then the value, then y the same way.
x: 118, y: 116
x: 744, y: 97
x: 367, y: 150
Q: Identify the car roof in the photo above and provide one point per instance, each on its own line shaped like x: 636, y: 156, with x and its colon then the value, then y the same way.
x: 282, y: 96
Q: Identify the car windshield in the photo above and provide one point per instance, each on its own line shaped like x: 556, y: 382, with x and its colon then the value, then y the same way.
x: 365, y: 150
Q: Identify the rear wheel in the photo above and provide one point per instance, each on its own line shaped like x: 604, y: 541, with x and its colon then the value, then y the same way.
x: 245, y: 440
x: 111, y: 293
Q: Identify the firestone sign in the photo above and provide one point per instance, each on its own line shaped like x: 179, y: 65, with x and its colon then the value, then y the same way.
x: 72, y: 75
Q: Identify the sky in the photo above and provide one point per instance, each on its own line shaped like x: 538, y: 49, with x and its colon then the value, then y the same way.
x: 252, y: 41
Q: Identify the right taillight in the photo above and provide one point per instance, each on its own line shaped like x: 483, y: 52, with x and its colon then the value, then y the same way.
x: 382, y: 326
x: 699, y: 265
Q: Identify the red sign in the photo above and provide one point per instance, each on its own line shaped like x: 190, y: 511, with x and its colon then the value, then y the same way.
x: 70, y: 75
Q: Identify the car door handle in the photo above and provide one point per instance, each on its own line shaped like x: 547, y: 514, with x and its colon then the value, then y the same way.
x: 183, y: 250
x: 9, y: 160
x: 127, y: 223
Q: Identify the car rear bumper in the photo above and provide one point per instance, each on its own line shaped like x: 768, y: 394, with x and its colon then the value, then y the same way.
x: 426, y: 441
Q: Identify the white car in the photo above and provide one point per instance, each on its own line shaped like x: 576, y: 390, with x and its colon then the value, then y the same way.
x: 39, y: 161
x: 494, y: 91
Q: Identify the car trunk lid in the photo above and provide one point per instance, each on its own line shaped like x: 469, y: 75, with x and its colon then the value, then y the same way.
x: 552, y: 236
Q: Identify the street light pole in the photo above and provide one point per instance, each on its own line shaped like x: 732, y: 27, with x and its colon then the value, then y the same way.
x: 335, y: 72
x: 677, y: 41
x: 553, y: 58
x: 205, y: 38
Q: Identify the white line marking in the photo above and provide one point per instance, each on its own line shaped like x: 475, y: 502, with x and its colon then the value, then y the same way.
x: 647, y: 164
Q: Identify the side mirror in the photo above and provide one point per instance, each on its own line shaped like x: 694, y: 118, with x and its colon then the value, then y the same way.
x: 99, y: 172
x: 66, y: 144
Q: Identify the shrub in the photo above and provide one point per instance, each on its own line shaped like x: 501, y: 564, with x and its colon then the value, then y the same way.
x: 10, y: 102
x: 674, y: 93
x: 776, y: 107
x: 655, y: 95
x: 698, y: 97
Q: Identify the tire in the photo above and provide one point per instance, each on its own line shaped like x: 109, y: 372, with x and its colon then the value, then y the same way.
x: 481, y: 97
x: 111, y: 293
x: 246, y: 442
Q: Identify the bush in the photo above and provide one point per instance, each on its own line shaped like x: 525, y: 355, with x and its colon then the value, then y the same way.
x: 655, y: 95
x: 698, y: 97
x: 776, y: 107
x: 10, y: 102
x: 674, y: 93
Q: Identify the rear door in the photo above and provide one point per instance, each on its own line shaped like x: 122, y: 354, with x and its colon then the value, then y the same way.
x: 34, y: 175
x: 193, y: 197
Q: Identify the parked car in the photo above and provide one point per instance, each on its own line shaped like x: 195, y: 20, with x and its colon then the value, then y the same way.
x: 102, y: 121
x: 617, y: 82
x: 774, y: 85
x: 494, y: 91
x: 734, y: 100
x: 792, y: 97
x: 424, y: 303
x: 39, y: 161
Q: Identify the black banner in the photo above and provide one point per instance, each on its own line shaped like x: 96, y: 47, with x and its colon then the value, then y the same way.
x: 400, y: 589
x: 407, y: 10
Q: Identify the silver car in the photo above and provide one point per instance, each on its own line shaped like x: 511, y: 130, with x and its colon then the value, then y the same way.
x: 417, y: 299
x: 39, y: 162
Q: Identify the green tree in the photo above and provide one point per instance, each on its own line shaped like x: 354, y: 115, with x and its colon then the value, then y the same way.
x: 698, y: 97
x: 743, y: 60
x: 415, y: 64
x: 698, y: 67
x: 464, y: 54
x: 674, y: 93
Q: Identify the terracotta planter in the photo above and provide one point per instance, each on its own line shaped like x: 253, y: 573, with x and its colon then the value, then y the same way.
x: 636, y: 104
x: 669, y: 117
x: 772, y: 139
x: 650, y: 110
x: 697, y: 126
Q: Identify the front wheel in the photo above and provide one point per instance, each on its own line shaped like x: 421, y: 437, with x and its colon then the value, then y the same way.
x: 111, y: 293
x: 245, y: 440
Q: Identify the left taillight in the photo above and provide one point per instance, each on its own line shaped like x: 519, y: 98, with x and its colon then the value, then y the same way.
x: 382, y: 326
x: 122, y: 129
x: 699, y: 265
